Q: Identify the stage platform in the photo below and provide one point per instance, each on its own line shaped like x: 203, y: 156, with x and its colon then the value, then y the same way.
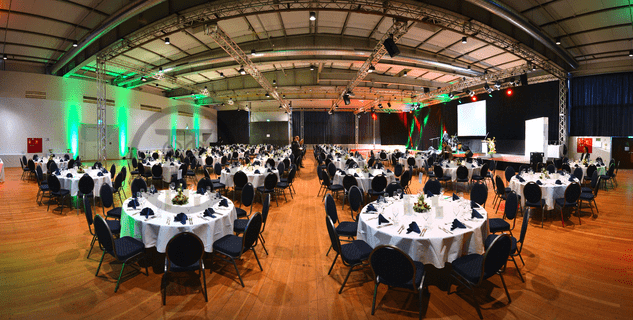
x: 499, y: 157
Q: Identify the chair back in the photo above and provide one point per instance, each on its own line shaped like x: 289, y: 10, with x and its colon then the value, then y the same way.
x: 501, y: 189
x: 291, y: 175
x: 53, y: 183
x: 330, y: 208
x: 397, y: 170
x: 484, y: 170
x: 439, y: 172
x: 524, y: 168
x: 217, y: 169
x: 393, y: 267
x: 493, y: 165
x: 204, y: 183
x: 24, y: 160
x: 137, y: 185
x: 578, y: 173
x: 512, y: 201
x: 253, y: 227
x: 134, y: 163
x: 88, y: 212
x: 286, y: 163
x: 611, y: 169
x: 524, y: 227
x: 532, y: 192
x: 141, y: 169
x: 349, y: 181
x: 265, y: 210
x: 462, y: 172
x: 270, y: 182
x: 392, y: 188
x: 551, y: 168
x: 248, y: 194
x: 71, y: 163
x: 31, y: 165
x: 184, y: 250
x: 240, y: 179
x: 496, y: 256
x: 566, y: 167
x: 411, y: 161
x: 336, y: 242
x: 432, y: 186
x: 86, y: 184
x: 107, y: 198
x: 355, y: 199
x: 104, y: 235
x: 379, y: 183
x: 509, y: 173
x: 112, y: 170
x: 52, y: 166
x: 572, y: 192
x: 405, y: 179
x: 479, y: 194
x: 40, y: 174
x: 157, y: 171
x: 208, y: 161
x: 270, y: 162
x: 331, y: 169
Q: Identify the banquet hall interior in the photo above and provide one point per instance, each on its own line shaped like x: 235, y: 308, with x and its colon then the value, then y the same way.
x: 130, y: 125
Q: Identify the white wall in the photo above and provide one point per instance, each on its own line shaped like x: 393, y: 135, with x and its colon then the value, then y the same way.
x: 54, y: 118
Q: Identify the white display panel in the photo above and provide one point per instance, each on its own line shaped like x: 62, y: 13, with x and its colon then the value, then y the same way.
x: 536, y: 135
x: 471, y: 119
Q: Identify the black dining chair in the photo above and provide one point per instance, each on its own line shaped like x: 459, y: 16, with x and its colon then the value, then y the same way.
x: 479, y: 194
x: 269, y: 187
x: 534, y: 199
x: 55, y: 189
x: 570, y: 200
x: 114, y: 225
x: 184, y: 253
x: 86, y: 188
x: 233, y: 247
x: 394, y: 268
x: 107, y: 200
x: 124, y: 249
x: 378, y: 186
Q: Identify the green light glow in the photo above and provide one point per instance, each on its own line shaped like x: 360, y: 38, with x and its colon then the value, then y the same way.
x: 196, y: 126
x: 121, y: 116
x: 174, y: 125
x: 72, y: 97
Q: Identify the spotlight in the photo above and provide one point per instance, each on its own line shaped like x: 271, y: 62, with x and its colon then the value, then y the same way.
x: 371, y: 69
x: 630, y: 53
x: 497, y: 85
x: 167, y: 41
x: 558, y: 41
x: 242, y: 71
x: 509, y: 92
x: 389, y: 104
x: 284, y: 96
x: 404, y: 73
x: 471, y: 93
x: 459, y: 100
x: 160, y: 69
x: 279, y: 106
x: 274, y: 82
x: 312, y: 15
x: 222, y: 74
x: 380, y: 105
x: 253, y: 52
x: 451, y: 95
x: 346, y: 99
x: 534, y: 66
x: 5, y: 57
x: 143, y: 79
x: 464, y: 39
x: 474, y: 98
x: 336, y: 106
x: 311, y: 68
x: 75, y: 44
x: 268, y: 95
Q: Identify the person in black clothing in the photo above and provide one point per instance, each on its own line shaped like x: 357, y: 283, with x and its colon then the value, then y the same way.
x: 585, y: 155
x: 296, y: 148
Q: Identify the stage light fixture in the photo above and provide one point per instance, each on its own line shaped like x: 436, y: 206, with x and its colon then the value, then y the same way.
x: 311, y: 68
x: 280, y: 107
x: 630, y: 53
x: 404, y: 73
x: 451, y: 95
x: 143, y: 79
x: 487, y: 88
x: 497, y: 85
x: 509, y: 92
x: 312, y: 15
x: 459, y: 100
x: 75, y: 44
x: 242, y: 71
x: 471, y: 93
x: 474, y: 98
x: 464, y: 39
x: 267, y: 95
x: 160, y: 69
x: 222, y: 74
x: 336, y: 106
x: 284, y: 96
x: 557, y: 41
x: 167, y: 41
x: 274, y: 82
x: 253, y: 52
x: 380, y: 105
x: 371, y: 69
x: 346, y: 99
x: 511, y: 81
x: 389, y: 104
x: 533, y: 67
x: 391, y: 47
x: 5, y: 57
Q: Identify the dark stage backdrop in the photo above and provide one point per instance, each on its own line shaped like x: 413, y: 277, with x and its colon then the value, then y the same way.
x: 602, y: 105
x: 321, y: 127
x: 278, y: 131
x: 506, y: 115
x: 412, y: 129
x: 233, y: 126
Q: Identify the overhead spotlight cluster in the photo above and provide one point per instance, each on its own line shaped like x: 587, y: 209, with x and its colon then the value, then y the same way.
x: 416, y: 106
x: 488, y: 88
x: 205, y: 91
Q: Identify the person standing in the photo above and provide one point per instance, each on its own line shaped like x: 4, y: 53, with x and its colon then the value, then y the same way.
x: 296, y: 148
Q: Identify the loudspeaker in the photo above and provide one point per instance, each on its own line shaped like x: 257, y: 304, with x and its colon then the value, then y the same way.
x: 391, y: 47
x: 427, y: 90
x: 536, y: 157
x: 523, y: 79
x: 346, y: 99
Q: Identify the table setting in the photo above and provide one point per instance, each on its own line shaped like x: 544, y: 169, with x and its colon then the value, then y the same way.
x: 69, y: 179
x: 154, y: 217
x: 552, y: 185
x: 256, y: 174
x: 431, y: 229
x: 363, y: 176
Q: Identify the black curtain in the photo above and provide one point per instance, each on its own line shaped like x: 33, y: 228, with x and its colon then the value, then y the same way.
x: 366, y: 127
x: 602, y: 105
x: 316, y: 127
x: 296, y: 124
x: 233, y: 126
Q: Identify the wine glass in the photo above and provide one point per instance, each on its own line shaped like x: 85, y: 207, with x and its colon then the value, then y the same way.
x: 172, y: 186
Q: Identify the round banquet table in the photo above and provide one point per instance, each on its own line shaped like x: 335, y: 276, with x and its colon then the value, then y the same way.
x: 256, y: 179
x: 1, y: 171
x: 72, y: 183
x: 157, y: 230
x: 602, y: 170
x: 550, y: 190
x: 340, y: 162
x: 363, y: 178
x: 62, y: 164
x: 436, y: 244
x: 452, y: 170
x: 419, y: 161
x: 168, y: 169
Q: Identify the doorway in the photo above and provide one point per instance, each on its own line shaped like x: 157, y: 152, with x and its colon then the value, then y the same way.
x: 623, y: 152
x: 88, y: 142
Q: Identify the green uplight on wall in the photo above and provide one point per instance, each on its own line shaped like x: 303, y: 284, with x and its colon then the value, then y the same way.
x: 196, y: 126
x: 73, y: 97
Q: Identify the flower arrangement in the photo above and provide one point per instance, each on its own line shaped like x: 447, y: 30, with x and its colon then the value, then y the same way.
x: 492, y: 145
x: 420, y: 205
x: 365, y: 169
x: 544, y: 174
x: 80, y: 169
x: 180, y: 199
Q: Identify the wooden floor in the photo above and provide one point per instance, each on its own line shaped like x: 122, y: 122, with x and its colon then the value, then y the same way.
x: 577, y: 272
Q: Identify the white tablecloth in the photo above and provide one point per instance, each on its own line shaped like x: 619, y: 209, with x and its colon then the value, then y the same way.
x: 62, y: 164
x: 438, y: 245
x: 257, y: 179
x: 340, y: 163
x: 1, y: 171
x: 168, y: 169
x: 419, y: 161
x: 452, y: 170
x: 550, y: 190
x: 157, y: 231
x: 363, y: 179
x: 72, y: 184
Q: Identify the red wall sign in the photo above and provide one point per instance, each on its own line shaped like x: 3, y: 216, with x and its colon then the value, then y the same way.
x: 582, y: 143
x: 34, y: 145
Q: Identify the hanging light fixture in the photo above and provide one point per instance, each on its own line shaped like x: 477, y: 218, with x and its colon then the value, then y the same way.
x: 143, y: 79
x: 242, y: 71
x: 167, y: 41
x: 464, y: 39
x: 558, y: 41
x: 75, y: 44
x: 312, y: 15
x: 371, y: 69
x: 5, y: 57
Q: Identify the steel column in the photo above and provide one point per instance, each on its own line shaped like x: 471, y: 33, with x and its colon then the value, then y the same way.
x: 101, y: 111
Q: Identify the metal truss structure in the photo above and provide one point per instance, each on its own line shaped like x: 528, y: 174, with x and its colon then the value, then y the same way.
x: 102, y: 136
x: 225, y: 42
x: 156, y: 75
x: 562, y: 111
x: 396, y: 31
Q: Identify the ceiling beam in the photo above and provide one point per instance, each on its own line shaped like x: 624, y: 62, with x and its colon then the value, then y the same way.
x: 32, y: 15
x: 588, y: 13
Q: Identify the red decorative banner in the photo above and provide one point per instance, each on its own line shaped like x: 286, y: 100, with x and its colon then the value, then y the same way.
x: 582, y: 143
x: 34, y: 145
